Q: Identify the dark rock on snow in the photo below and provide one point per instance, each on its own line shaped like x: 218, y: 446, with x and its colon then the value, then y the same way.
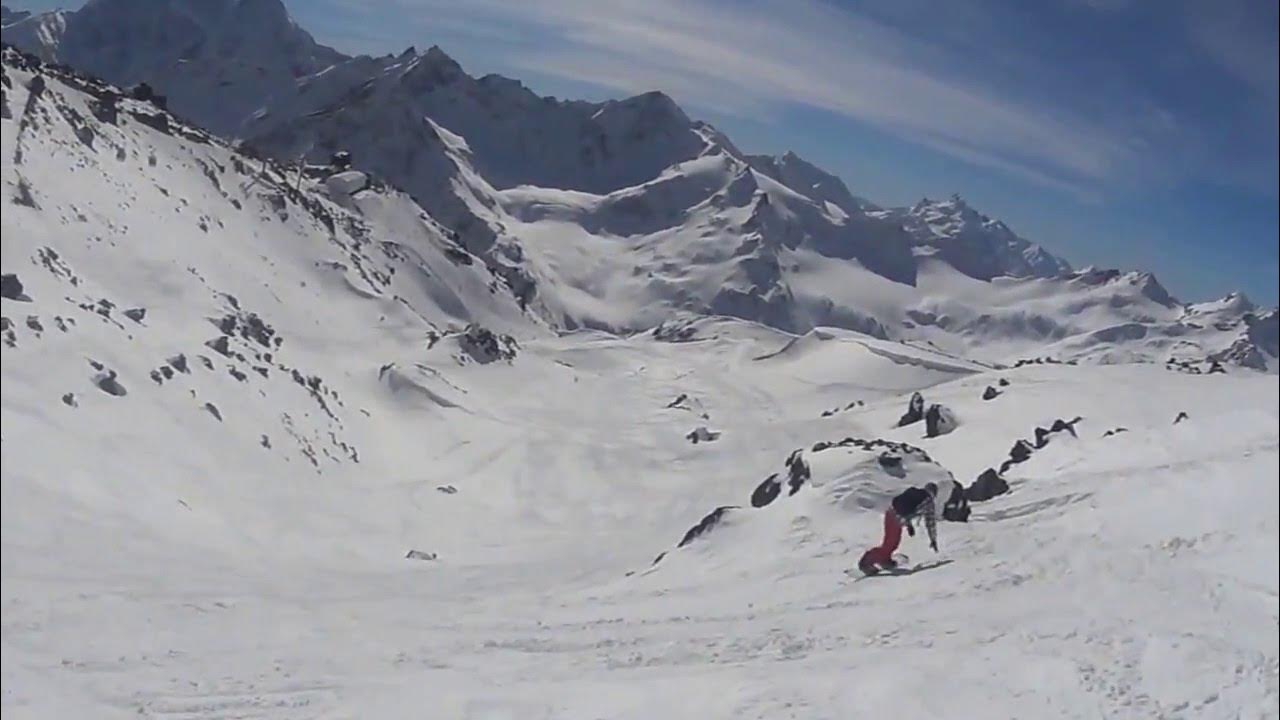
x: 990, y: 393
x: 956, y: 507
x: 939, y: 420
x: 107, y: 383
x: 766, y: 492
x: 915, y: 410
x: 988, y: 485
x: 798, y: 472
x: 11, y: 288
x: 706, y: 524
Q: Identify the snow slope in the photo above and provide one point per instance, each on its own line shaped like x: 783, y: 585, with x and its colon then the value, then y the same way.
x: 283, y: 444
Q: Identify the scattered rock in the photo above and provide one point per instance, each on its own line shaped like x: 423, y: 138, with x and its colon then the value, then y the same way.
x: 1061, y: 425
x: 213, y: 410
x: 706, y: 524
x: 1003, y: 382
x: 990, y: 393
x: 107, y: 383
x: 1216, y: 368
x: 265, y: 442
x: 11, y: 288
x: 1021, y: 451
x: 675, y: 332
x: 69, y: 399
x: 446, y: 489
x: 956, y: 507
x: 678, y: 402
x: 889, y: 462
x: 485, y: 346
x: 701, y: 434
x: 420, y: 555
x: 876, y: 444
x: 1042, y: 437
x: 767, y: 491
x: 22, y: 194
x: 220, y: 345
x: 988, y: 485
x: 1115, y: 431
x: 939, y: 420
x: 33, y: 323
x: 155, y: 375
x: 915, y: 410
x: 136, y: 314
x: 1181, y: 416
x: 179, y: 363
x: 798, y: 471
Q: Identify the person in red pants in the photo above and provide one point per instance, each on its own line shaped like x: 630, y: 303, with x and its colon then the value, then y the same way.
x: 908, y: 505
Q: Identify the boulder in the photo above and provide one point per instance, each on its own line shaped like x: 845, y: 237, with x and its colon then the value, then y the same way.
x: 798, y: 472
x: 915, y: 410
x: 1021, y: 451
x: 11, y: 288
x: 956, y: 507
x: 1003, y: 382
x: 990, y: 393
x: 1181, y: 416
x: 1061, y: 425
x: 766, y: 492
x: 939, y: 420
x: 1042, y: 437
x: 988, y: 485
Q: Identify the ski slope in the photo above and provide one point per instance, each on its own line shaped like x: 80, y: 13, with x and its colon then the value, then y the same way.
x: 1127, y: 576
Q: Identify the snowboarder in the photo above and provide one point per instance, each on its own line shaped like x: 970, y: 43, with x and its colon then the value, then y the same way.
x: 909, y: 505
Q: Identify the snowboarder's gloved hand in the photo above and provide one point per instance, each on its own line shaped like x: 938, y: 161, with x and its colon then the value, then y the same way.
x: 911, y: 531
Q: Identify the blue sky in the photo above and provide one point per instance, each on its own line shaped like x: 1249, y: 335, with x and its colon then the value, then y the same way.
x: 1129, y: 133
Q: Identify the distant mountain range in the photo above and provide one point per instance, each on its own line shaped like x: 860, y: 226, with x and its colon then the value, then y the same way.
x: 625, y: 214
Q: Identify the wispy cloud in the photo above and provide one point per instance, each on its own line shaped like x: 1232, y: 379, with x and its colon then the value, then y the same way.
x: 957, y: 88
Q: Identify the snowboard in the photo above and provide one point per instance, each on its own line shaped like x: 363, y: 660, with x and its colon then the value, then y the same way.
x: 900, y: 558
x: 903, y: 569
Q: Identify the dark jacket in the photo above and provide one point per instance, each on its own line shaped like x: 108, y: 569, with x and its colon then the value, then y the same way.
x: 913, y: 503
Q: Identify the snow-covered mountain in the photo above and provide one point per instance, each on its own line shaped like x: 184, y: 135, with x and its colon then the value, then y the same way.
x: 625, y: 214
x: 216, y: 61
x: 299, y: 441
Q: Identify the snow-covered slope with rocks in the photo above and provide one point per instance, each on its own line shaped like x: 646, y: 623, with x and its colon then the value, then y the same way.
x: 280, y: 442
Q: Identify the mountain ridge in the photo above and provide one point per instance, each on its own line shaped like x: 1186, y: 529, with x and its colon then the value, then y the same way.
x: 670, y: 218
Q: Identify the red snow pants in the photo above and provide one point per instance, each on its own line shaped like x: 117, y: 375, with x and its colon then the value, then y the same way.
x: 883, y: 554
